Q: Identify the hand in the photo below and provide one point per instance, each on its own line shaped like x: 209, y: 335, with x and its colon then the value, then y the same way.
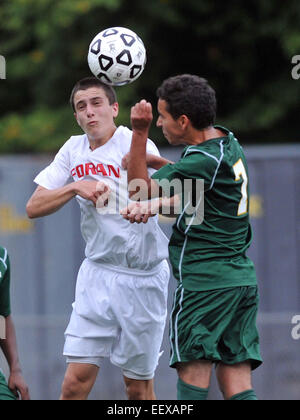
x: 18, y: 386
x: 93, y: 190
x: 140, y: 212
x: 141, y: 116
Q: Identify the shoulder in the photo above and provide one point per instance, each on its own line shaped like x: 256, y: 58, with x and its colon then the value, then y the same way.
x: 121, y: 139
x: 71, y: 147
x: 123, y: 133
x: 123, y: 136
x: 75, y: 141
x: 152, y: 148
x: 211, y: 151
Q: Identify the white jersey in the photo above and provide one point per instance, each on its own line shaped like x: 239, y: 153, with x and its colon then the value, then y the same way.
x: 109, y: 238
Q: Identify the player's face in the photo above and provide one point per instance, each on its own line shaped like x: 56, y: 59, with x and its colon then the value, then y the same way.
x: 94, y: 113
x: 172, y: 129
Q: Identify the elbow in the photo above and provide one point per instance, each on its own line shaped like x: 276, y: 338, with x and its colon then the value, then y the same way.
x: 30, y: 211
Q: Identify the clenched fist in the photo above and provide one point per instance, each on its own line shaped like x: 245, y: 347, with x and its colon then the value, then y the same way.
x: 141, y: 116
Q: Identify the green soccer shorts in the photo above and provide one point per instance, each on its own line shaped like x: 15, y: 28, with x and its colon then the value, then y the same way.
x: 217, y: 325
x: 5, y: 392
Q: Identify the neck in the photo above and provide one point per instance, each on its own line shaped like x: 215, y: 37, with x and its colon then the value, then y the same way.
x: 201, y: 136
x: 96, y: 142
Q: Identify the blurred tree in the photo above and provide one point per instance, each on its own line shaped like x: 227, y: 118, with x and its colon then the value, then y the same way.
x: 243, y: 48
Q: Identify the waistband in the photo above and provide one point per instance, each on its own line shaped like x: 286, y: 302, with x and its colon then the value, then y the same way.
x: 130, y: 271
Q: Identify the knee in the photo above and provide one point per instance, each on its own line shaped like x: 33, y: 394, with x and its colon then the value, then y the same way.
x: 71, y: 388
x: 140, y: 389
x: 136, y: 391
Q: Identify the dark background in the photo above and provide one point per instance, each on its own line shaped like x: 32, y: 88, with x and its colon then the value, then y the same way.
x: 244, y: 49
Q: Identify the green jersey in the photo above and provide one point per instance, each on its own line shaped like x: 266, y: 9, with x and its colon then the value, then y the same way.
x: 4, y: 283
x: 212, y: 254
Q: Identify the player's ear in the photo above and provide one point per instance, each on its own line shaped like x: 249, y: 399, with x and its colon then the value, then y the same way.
x: 115, y: 107
x: 183, y: 121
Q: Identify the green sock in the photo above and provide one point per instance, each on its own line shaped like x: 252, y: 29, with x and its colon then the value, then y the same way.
x: 245, y: 396
x: 190, y: 392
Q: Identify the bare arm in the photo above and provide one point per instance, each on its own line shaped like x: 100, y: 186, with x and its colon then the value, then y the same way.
x: 139, y: 183
x: 153, y: 161
x: 44, y: 202
x: 139, y: 212
x: 156, y: 162
x: 9, y: 347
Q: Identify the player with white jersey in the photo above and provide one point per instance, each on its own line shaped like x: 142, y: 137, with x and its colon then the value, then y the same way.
x: 120, y: 305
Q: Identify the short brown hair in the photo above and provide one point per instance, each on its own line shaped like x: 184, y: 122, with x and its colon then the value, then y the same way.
x: 89, y: 82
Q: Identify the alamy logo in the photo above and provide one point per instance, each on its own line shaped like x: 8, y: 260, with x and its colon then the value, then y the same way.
x: 296, y: 68
x: 2, y: 67
x: 190, y: 204
x: 2, y: 328
x: 296, y: 329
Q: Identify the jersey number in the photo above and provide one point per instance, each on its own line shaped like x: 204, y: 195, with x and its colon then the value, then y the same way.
x: 240, y: 172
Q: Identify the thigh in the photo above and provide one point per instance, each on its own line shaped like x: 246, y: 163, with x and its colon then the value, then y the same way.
x: 234, y: 379
x: 196, y: 323
x: 240, y: 340
x: 196, y: 373
x: 141, y: 310
x: 93, y: 327
x: 217, y: 325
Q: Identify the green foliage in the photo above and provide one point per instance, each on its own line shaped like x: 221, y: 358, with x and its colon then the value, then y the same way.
x: 243, y: 48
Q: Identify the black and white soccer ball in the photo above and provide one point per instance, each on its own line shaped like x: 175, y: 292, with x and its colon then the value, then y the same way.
x: 117, y: 56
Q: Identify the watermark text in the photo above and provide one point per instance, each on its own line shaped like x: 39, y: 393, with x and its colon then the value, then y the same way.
x: 189, y: 194
x: 2, y: 328
x: 296, y: 329
x: 2, y: 67
x: 138, y: 410
x: 296, y: 68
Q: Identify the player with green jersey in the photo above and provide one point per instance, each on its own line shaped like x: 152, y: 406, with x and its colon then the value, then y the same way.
x: 225, y: 233
x: 215, y: 307
x: 8, y: 343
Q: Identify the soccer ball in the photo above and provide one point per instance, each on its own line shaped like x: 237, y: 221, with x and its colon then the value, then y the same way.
x: 117, y: 56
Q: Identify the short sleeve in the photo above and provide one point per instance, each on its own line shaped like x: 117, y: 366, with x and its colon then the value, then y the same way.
x: 57, y: 174
x: 152, y: 149
x: 5, y: 309
x: 193, y: 166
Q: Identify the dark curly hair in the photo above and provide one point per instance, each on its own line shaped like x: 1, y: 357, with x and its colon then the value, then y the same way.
x: 191, y: 96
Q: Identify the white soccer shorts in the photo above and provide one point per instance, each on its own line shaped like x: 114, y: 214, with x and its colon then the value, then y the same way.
x: 119, y: 315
